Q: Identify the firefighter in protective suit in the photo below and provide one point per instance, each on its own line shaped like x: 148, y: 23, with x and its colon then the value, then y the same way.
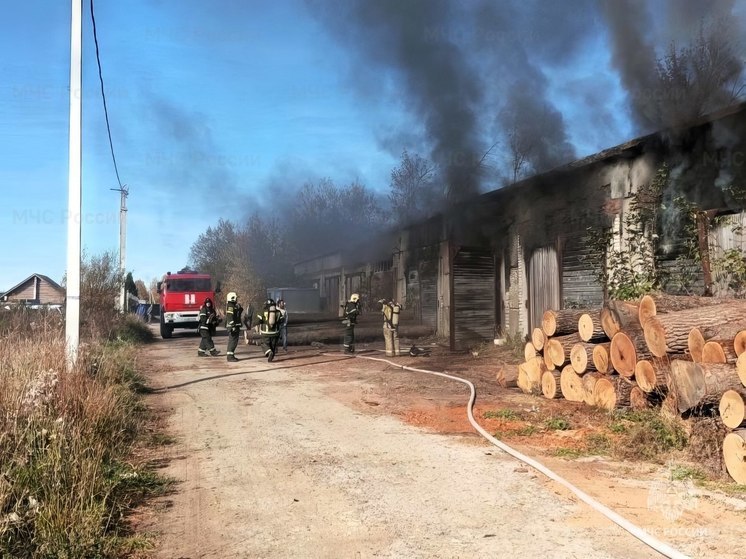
x: 269, y: 328
x: 233, y: 312
x: 350, y: 312
x: 208, y: 319
x: 390, y: 311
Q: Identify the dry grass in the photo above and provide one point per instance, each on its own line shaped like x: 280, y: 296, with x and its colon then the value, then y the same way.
x: 64, y: 441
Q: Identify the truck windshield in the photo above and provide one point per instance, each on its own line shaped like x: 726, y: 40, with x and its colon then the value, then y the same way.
x: 190, y: 284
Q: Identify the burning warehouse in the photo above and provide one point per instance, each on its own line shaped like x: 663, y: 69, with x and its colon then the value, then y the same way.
x: 662, y: 211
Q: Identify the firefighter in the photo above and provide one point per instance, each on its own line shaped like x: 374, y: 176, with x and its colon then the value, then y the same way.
x: 233, y: 312
x: 350, y: 312
x: 269, y: 328
x: 390, y: 311
x: 208, y: 319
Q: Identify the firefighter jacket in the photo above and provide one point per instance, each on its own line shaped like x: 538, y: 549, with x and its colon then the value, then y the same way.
x: 351, y: 311
x: 207, y: 317
x: 265, y: 328
x: 233, y: 316
x: 387, y: 311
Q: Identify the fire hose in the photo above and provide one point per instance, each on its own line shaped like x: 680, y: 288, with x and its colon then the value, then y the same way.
x: 649, y: 540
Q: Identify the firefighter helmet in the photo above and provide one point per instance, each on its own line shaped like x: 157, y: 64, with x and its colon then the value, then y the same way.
x: 354, y: 297
x: 232, y: 297
x: 269, y: 303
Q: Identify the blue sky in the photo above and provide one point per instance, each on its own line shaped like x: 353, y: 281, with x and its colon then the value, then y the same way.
x: 217, y: 109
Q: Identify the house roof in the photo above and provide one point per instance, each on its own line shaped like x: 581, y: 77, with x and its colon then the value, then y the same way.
x: 47, y: 279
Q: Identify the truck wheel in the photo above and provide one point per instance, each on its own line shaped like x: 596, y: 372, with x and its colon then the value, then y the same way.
x: 166, y: 331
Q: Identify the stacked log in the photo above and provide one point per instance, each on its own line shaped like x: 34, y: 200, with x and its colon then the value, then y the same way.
x: 688, y: 353
x: 529, y: 375
x: 570, y: 354
x: 549, y: 352
x: 601, y: 360
x: 719, y: 351
x: 732, y: 408
x: 612, y: 392
x: 550, y: 384
x: 669, y: 333
x: 693, y: 385
x: 561, y: 322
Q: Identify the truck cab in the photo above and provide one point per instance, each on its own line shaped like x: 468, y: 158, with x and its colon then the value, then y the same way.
x: 181, y: 296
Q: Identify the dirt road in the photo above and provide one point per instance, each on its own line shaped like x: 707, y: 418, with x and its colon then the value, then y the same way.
x: 272, y: 465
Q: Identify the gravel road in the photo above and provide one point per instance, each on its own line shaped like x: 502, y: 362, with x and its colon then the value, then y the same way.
x: 271, y: 466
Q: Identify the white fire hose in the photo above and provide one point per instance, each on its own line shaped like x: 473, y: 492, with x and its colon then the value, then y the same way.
x: 659, y: 546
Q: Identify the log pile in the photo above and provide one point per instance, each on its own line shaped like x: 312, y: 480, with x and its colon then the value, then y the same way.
x: 570, y: 357
x: 685, y: 353
x: 732, y: 408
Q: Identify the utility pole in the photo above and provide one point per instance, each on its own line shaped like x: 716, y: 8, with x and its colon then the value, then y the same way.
x: 72, y: 296
x: 123, y: 192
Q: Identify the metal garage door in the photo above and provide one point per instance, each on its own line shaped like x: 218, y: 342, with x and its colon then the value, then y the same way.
x: 473, y: 297
x: 543, y: 284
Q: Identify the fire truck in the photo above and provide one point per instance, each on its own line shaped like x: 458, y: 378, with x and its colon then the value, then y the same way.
x: 181, y: 295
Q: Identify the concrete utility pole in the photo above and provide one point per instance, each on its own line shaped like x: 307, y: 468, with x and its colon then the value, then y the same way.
x: 72, y: 304
x: 123, y: 192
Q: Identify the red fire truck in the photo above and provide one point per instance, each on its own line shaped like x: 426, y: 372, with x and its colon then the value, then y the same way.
x: 182, y: 294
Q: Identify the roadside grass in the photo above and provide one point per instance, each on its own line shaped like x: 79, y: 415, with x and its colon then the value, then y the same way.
x: 503, y: 413
x: 65, y: 440
x: 647, y: 435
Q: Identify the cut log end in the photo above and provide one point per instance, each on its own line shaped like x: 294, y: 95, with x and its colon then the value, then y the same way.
x: 550, y: 384
x: 623, y: 355
x: 610, y: 394
x: 579, y: 358
x: 610, y: 322
x: 646, y: 309
x: 713, y: 352
x: 590, y: 328
x: 601, y: 358
x: 739, y: 342
x: 549, y: 323
x: 571, y: 385
x: 695, y: 344
x: 734, y: 453
x: 655, y: 337
x: 649, y: 377
x: 529, y: 351
x: 732, y: 409
x: 538, y: 338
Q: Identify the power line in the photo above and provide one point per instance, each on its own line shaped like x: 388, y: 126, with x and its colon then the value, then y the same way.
x: 103, y: 96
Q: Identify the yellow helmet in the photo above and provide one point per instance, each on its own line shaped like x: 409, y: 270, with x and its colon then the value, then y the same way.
x: 232, y: 297
x: 354, y: 297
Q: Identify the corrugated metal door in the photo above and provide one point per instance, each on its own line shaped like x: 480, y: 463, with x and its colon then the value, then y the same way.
x: 331, y: 294
x: 429, y: 299
x: 580, y: 285
x: 473, y: 297
x: 543, y: 284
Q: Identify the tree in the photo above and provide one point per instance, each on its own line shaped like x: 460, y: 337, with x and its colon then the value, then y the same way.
x: 693, y: 80
x: 153, y: 294
x: 326, y: 217
x: 211, y: 252
x: 100, y: 284
x: 129, y: 284
x: 142, y: 290
x: 534, y: 132
x: 413, y: 194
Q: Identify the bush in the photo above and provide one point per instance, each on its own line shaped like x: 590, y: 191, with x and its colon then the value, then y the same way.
x: 61, y: 433
x: 648, y: 435
x: 133, y: 330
